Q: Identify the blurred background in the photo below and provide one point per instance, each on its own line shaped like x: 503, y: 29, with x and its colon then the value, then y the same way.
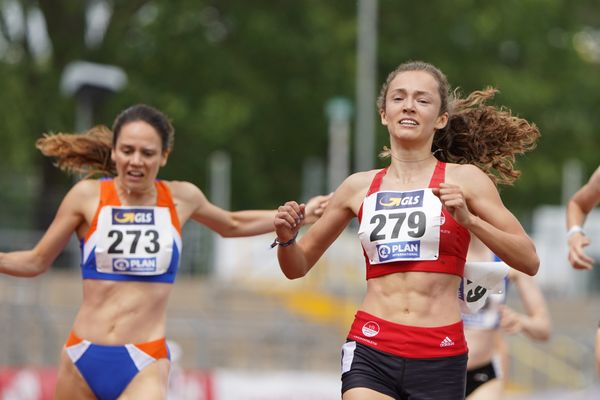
x: 275, y: 100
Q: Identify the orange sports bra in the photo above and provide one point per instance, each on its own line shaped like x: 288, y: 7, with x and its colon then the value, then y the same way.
x: 132, y: 243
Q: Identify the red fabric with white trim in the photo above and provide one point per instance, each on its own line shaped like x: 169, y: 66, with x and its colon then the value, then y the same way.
x: 454, y: 239
x: 408, y: 341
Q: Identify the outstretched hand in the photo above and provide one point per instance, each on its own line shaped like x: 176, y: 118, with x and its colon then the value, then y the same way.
x: 577, y: 256
x: 288, y: 220
x: 315, y: 207
x: 453, y: 199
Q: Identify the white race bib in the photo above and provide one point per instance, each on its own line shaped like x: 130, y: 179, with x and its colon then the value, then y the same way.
x: 134, y: 240
x: 401, y: 226
x: 481, y: 279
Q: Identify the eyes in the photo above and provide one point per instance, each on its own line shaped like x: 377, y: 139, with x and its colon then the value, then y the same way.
x: 398, y: 99
x: 147, y: 153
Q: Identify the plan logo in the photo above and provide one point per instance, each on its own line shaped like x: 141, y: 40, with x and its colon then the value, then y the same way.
x: 134, y: 265
x: 399, y: 250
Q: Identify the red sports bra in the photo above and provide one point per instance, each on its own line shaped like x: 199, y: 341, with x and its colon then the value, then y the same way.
x: 405, y: 213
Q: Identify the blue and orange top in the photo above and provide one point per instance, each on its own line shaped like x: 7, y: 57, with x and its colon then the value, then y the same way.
x: 402, y: 231
x: 132, y: 243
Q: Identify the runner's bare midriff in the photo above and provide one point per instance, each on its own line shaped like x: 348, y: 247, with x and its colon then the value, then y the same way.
x: 116, y: 312
x: 414, y: 298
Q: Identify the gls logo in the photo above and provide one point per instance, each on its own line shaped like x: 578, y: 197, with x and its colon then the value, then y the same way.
x: 395, y: 200
x: 133, y: 216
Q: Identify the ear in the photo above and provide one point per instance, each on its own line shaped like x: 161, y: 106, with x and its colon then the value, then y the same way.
x: 164, y: 157
x: 112, y: 155
x: 442, y: 121
x: 382, y: 117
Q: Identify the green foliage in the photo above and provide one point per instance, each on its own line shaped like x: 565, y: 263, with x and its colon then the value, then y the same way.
x: 252, y: 78
x: 249, y: 78
x: 525, y: 49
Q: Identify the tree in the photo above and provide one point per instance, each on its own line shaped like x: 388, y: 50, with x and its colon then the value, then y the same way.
x: 33, y: 73
x: 252, y: 79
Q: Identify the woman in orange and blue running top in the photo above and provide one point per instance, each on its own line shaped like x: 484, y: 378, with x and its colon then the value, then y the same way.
x: 416, y: 217
x: 129, y: 225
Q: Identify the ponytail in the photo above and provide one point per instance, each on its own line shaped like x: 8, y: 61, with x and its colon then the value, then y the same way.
x: 487, y: 136
x: 86, y: 154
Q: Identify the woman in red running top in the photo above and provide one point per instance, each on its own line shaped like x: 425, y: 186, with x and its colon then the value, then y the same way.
x: 416, y: 217
x: 129, y: 225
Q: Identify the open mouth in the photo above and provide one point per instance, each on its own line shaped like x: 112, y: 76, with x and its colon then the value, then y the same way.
x: 408, y: 122
x: 135, y: 174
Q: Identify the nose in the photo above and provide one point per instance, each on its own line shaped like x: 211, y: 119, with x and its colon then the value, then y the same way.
x: 136, y: 158
x: 408, y: 104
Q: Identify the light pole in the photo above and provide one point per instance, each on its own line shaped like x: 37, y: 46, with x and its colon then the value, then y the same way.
x: 366, y: 75
x: 90, y: 84
x: 338, y: 110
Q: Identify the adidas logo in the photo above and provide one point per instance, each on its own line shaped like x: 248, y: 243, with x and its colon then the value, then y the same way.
x: 446, y: 342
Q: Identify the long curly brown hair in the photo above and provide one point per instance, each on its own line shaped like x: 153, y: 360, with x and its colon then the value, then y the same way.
x: 489, y: 137
x: 88, y: 153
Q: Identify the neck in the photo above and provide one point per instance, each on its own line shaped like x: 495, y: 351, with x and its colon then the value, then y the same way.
x: 409, y: 170
x: 137, y: 196
x: 409, y: 159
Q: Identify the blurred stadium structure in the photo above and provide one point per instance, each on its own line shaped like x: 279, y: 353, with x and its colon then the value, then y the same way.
x: 237, y: 323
